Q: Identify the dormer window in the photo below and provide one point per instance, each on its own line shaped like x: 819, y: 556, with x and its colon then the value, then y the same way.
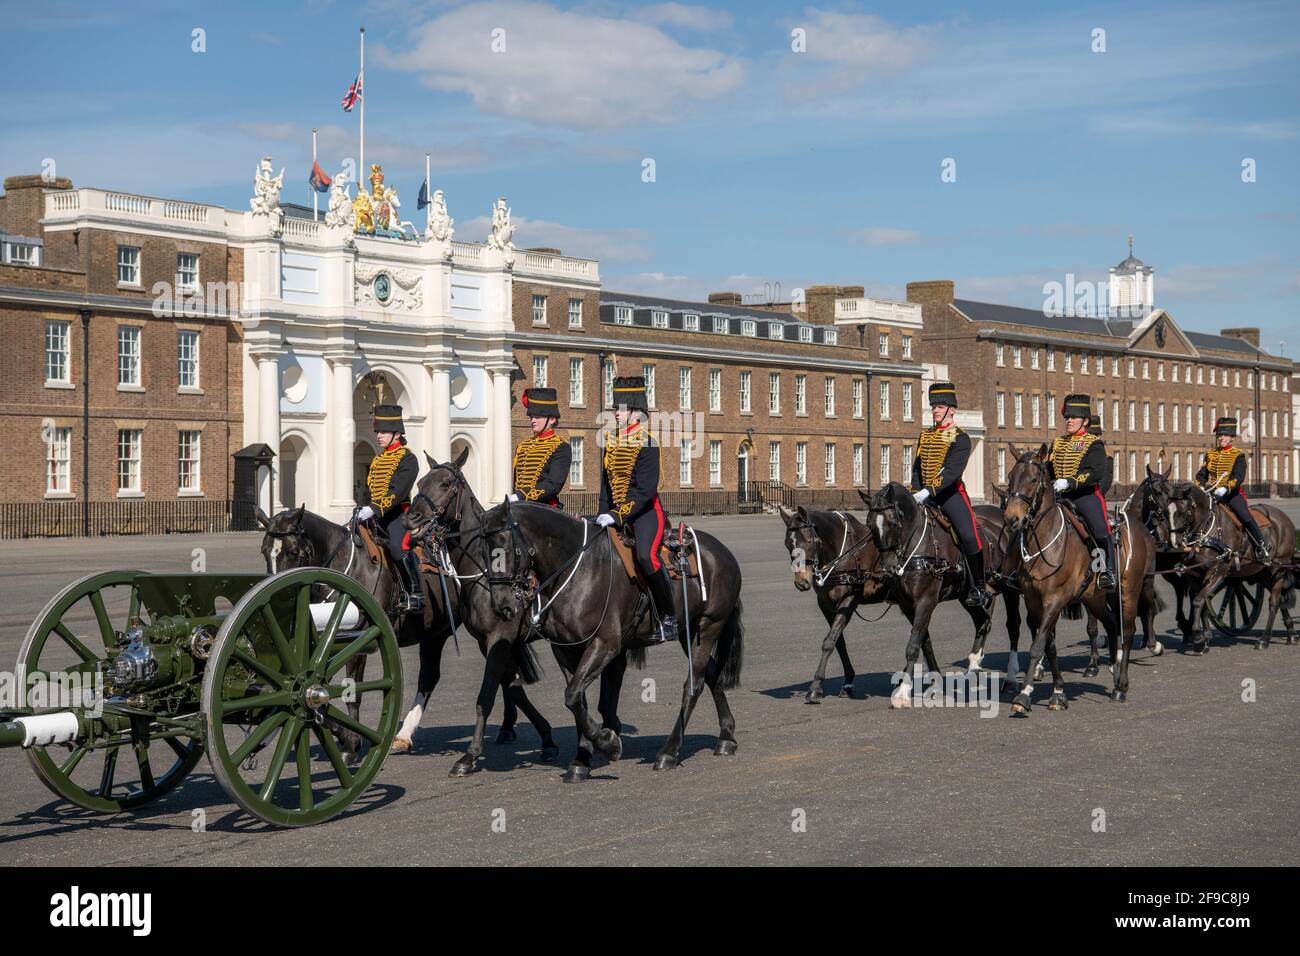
x: 659, y: 319
x: 622, y: 315
x: 749, y: 327
x: 775, y: 330
x: 691, y: 322
x: 831, y: 336
x: 720, y: 323
x: 805, y: 333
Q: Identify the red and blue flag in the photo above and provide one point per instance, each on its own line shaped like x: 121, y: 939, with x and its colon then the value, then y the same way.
x: 353, y: 94
x: 318, y: 180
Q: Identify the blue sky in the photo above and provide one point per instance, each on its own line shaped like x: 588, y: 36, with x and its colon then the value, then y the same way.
x: 770, y: 165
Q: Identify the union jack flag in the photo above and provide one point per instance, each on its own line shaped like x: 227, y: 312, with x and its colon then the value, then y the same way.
x: 353, y: 94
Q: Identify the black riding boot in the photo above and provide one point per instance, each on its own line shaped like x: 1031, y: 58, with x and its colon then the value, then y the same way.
x: 1106, y: 579
x: 409, y: 571
x: 1257, y: 539
x: 977, y: 596
x: 661, y: 591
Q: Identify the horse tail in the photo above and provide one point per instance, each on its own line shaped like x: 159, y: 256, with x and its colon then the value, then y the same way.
x: 1157, y: 602
x: 1073, y: 611
x: 527, y: 667
x: 636, y: 657
x: 731, y: 649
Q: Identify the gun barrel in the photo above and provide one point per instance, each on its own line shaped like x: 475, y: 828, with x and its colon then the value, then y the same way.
x: 40, y: 730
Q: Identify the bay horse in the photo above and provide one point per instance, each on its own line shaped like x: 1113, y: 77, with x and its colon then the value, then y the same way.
x: 297, y: 538
x: 924, y: 567
x: 559, y: 575
x: 833, y: 554
x: 1216, y: 548
x: 1150, y: 604
x: 1055, y: 572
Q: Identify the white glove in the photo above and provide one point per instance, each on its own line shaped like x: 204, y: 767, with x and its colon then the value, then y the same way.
x: 365, y: 513
x: 605, y: 520
x: 921, y: 495
x: 1220, y: 492
x: 512, y: 496
x: 1060, y: 484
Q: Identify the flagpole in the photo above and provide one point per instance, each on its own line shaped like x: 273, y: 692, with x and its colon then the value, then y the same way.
x: 315, y: 209
x: 428, y: 209
x: 361, y: 180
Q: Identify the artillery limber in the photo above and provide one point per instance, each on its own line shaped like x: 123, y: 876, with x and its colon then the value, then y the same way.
x: 126, y: 679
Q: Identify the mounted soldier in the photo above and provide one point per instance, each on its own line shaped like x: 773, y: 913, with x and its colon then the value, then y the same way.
x: 541, y: 463
x: 943, y: 451
x: 629, y: 495
x: 1222, y: 473
x: 1107, y: 479
x: 1078, y: 463
x: 389, y: 482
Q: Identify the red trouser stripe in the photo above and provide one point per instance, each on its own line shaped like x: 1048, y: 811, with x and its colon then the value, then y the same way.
x: 974, y: 523
x: 659, y: 536
x: 1105, y: 515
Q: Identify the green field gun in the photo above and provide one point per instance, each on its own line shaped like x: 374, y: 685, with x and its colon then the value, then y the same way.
x: 126, y: 679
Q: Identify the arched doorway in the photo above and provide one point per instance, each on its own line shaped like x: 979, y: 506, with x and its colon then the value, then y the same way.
x: 471, y: 467
x: 297, y: 473
x: 744, y: 454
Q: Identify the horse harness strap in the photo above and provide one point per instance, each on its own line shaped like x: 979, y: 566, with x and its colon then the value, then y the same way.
x: 372, y: 549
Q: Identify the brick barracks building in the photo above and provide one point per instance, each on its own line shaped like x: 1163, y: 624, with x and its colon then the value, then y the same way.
x: 820, y: 396
x: 156, y: 411
x: 1157, y: 387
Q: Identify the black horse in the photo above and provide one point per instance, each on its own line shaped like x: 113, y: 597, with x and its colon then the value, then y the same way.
x: 561, y: 578
x: 925, y: 567
x: 297, y: 538
x: 833, y: 554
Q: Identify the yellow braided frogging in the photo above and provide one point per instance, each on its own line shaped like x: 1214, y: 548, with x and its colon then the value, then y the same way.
x: 381, y: 474
x: 1067, y: 453
x: 1219, y: 463
x: 530, y: 458
x: 933, y: 449
x: 620, y: 457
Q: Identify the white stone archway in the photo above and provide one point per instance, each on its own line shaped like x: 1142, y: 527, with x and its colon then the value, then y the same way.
x: 473, y: 467
x: 298, y: 472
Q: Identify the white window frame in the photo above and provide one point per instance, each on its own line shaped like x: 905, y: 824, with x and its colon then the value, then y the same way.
x: 830, y: 464
x: 539, y: 309
x: 775, y: 330
x: 684, y: 387
x: 58, y: 352
x: 746, y: 392
x: 187, y: 279
x: 749, y: 328
x: 576, y: 451
x: 195, y: 472
x: 884, y: 465
x: 541, y: 371
x: 907, y: 346
x: 774, y: 393
x: 622, y: 315
x: 575, y: 314
x: 128, y: 266
x: 659, y: 318
x: 801, y: 463
x: 907, y: 402
x: 684, y: 461
x: 801, y: 394
x: 805, y: 333
x: 857, y: 391
x: 188, y: 363
x: 715, y: 462
x: 128, y: 356
x: 576, y: 384
x: 830, y: 396
x: 857, y: 463
x: 884, y: 400
x: 774, y: 461
x: 1018, y: 405
x: 715, y: 389
x: 651, y: 392
x: 129, y: 440
x: 691, y: 322
x: 58, y: 461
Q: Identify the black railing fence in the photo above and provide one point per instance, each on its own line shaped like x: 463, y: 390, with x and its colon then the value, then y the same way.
x: 49, y: 519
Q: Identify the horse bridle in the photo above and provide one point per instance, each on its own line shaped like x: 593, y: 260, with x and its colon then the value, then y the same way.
x: 1192, y: 538
x: 299, y: 533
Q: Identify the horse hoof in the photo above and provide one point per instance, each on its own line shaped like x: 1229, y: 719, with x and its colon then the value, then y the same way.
x: 550, y: 754
x: 1261, y: 645
x: 1157, y: 649
x: 725, y: 748
x: 609, y: 744
x: 1021, y: 704
x: 577, y: 773
x: 506, y: 736
x: 1092, y: 670
x: 462, y: 768
x: 1058, y: 702
x: 900, y: 703
x: 665, y: 762
x: 1291, y: 640
x: 813, y: 697
x: 401, y: 745
x: 846, y: 690
x: 1119, y: 696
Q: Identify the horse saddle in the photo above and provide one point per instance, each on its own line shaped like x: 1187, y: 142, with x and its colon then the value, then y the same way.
x: 668, y: 551
x: 1260, y: 516
x: 941, y: 519
x: 372, y: 548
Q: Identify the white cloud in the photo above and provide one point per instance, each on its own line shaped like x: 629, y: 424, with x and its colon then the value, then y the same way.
x: 562, y: 68
x: 878, y: 237
x: 606, y: 245
x: 684, y: 15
